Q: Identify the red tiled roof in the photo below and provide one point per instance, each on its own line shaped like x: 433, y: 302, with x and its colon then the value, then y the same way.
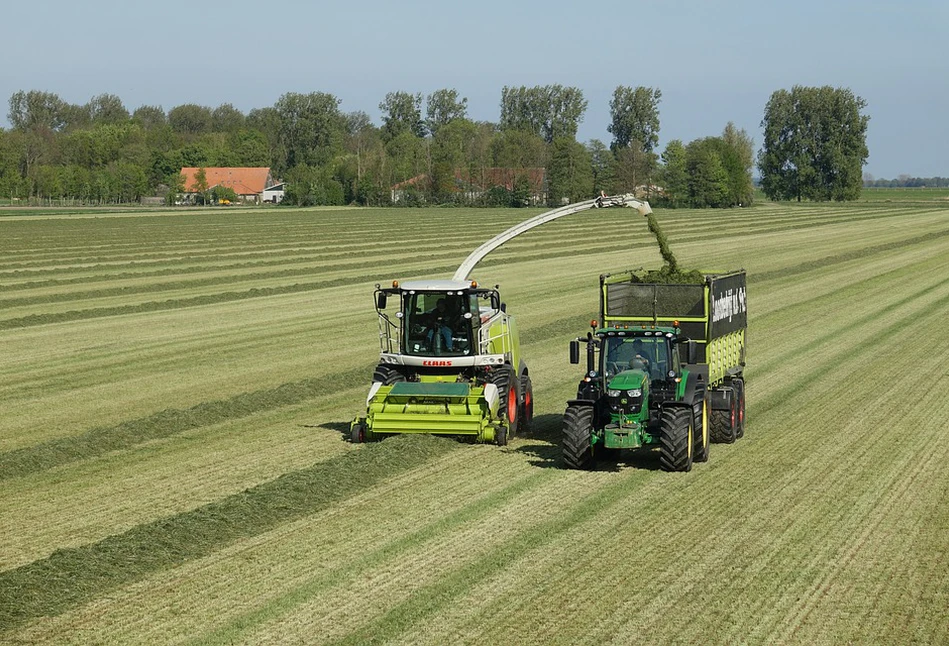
x: 243, y: 181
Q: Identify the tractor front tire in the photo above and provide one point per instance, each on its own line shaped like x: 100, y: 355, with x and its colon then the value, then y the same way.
x: 578, y: 452
x: 527, y: 408
x: 676, y: 439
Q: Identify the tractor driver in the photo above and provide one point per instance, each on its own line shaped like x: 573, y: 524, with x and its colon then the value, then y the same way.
x: 640, y: 359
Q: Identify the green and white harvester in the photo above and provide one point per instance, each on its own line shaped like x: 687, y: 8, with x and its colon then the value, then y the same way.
x: 450, y: 361
x: 665, y: 367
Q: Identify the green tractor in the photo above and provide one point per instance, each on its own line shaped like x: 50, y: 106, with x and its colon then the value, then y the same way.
x: 450, y: 361
x: 450, y: 365
x: 665, y: 370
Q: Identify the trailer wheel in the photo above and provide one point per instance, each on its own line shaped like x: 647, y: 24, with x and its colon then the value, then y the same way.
x: 509, y: 396
x: 578, y: 451
x: 701, y: 433
x: 676, y: 439
x: 527, y: 408
x: 387, y: 375
x: 739, y: 386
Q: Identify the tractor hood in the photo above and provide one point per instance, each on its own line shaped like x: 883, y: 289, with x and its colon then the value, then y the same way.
x: 629, y: 380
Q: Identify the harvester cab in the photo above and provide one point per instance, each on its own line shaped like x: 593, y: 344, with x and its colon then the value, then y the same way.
x: 449, y: 364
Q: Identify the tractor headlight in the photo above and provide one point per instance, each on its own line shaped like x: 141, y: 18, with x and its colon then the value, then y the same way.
x: 613, y: 393
x: 636, y: 392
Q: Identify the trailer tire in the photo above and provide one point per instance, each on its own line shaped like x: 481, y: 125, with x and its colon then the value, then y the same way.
x: 578, y: 451
x: 721, y: 426
x: 509, y: 396
x: 527, y: 408
x: 702, y: 439
x: 676, y: 439
x: 387, y: 375
x: 739, y: 386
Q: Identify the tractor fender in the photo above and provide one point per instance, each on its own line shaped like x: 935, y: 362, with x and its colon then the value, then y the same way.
x: 581, y: 402
x: 696, y: 377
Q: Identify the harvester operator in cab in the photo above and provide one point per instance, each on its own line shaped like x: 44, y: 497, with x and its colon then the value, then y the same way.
x: 440, y: 320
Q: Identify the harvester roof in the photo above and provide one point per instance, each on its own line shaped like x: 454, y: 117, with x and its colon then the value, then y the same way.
x: 435, y: 285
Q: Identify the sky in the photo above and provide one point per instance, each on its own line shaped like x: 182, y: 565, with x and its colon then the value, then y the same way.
x: 714, y: 62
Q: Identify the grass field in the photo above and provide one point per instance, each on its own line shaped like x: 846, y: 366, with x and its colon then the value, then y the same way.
x: 177, y: 388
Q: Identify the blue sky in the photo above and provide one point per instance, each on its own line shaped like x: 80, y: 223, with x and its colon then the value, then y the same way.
x: 713, y: 62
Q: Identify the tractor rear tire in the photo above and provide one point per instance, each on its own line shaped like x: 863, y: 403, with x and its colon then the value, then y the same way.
x: 676, y: 439
x: 739, y: 386
x: 387, y: 375
x: 701, y: 431
x: 509, y: 396
x: 527, y: 407
x: 578, y: 452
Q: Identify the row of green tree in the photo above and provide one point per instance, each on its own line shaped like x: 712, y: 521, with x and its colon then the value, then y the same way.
x: 906, y: 181
x: 101, y: 152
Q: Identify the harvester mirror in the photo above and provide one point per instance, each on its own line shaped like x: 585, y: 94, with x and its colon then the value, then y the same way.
x: 575, y: 351
x: 381, y: 300
x: 503, y: 307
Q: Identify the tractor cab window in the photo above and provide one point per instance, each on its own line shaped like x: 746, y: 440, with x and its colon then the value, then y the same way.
x: 438, y: 324
x: 649, y: 354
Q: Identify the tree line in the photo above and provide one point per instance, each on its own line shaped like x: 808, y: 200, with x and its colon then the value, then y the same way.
x: 101, y: 152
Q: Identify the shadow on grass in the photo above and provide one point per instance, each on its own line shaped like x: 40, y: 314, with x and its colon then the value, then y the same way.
x: 546, y: 453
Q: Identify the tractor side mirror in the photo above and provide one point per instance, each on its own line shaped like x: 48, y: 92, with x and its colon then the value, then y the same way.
x: 381, y: 300
x: 690, y: 351
x: 575, y: 351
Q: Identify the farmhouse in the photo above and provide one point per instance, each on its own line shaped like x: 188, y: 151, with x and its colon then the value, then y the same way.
x: 254, y: 185
x: 473, y: 184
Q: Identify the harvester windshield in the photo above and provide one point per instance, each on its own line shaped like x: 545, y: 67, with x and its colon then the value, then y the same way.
x: 441, y: 324
x: 649, y: 354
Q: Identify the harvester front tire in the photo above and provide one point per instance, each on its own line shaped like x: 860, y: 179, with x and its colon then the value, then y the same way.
x: 527, y: 408
x: 578, y: 437
x: 676, y: 439
x: 509, y: 396
x: 387, y: 375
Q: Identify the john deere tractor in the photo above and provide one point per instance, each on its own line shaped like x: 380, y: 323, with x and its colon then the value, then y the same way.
x: 665, y: 369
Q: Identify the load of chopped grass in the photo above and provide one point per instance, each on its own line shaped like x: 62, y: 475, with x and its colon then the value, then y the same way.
x: 670, y: 271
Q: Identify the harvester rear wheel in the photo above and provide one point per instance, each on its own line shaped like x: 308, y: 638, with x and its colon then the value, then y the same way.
x: 578, y: 452
x: 387, y: 375
x: 509, y: 396
x: 676, y: 439
x: 527, y: 409
x: 739, y: 386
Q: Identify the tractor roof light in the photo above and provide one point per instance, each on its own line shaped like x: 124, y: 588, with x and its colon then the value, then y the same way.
x: 395, y: 284
x: 594, y: 324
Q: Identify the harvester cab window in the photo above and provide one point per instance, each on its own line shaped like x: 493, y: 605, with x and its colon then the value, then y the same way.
x: 436, y: 325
